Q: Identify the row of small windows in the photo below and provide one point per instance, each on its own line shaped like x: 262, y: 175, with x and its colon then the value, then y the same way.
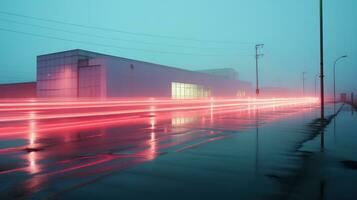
x: 188, y: 91
x: 241, y: 93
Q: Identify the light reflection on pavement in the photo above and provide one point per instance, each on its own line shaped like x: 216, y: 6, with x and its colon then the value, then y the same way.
x: 48, y: 148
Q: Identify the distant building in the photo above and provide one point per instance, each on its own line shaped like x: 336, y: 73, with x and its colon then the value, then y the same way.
x: 80, y: 73
x: 276, y: 92
x: 18, y: 90
x: 343, y: 97
x: 227, y: 73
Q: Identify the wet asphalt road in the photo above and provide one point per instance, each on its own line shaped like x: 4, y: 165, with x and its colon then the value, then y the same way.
x: 163, y: 150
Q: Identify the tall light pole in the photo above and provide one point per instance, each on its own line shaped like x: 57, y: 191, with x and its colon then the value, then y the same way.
x: 334, y: 81
x: 257, y: 55
x: 322, y: 61
x: 316, y: 76
x: 322, y: 97
x: 303, y: 83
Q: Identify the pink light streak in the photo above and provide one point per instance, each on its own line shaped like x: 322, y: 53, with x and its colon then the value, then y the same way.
x: 40, y: 118
x: 166, y: 105
x: 121, y: 112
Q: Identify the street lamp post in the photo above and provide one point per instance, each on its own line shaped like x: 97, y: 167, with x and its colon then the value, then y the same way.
x: 257, y: 55
x: 322, y: 96
x: 334, y: 81
x: 322, y: 62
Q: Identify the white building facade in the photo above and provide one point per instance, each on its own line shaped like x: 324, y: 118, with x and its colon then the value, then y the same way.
x: 80, y: 73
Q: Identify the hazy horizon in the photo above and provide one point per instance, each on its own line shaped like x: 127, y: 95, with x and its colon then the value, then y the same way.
x: 190, y: 35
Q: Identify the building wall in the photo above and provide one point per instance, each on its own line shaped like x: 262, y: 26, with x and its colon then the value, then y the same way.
x: 127, y: 78
x: 140, y: 79
x: 18, y: 90
x: 98, y: 75
x: 57, y: 73
x: 92, y: 78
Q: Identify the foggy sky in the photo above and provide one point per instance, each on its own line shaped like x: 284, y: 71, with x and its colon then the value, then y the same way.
x: 190, y: 34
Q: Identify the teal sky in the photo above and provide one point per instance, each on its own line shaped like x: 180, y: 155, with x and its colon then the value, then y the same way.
x: 190, y: 34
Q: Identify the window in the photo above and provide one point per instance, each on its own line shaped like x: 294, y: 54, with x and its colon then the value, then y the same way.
x: 241, y: 93
x: 188, y: 91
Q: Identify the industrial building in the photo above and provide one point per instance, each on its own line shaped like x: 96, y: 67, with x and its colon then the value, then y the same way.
x: 18, y: 90
x: 80, y: 73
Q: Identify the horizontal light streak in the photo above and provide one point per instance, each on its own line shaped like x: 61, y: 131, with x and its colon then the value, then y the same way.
x: 11, y: 125
x: 174, y: 107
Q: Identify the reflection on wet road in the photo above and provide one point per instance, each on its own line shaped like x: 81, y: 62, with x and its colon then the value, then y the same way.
x: 330, y: 173
x: 49, y: 149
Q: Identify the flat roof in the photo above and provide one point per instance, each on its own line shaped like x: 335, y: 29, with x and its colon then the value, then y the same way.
x: 18, y: 83
x: 107, y: 55
x: 79, y: 51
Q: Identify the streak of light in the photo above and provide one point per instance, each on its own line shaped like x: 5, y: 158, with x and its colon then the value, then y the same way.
x: 219, y: 106
x: 32, y: 156
x: 180, y: 107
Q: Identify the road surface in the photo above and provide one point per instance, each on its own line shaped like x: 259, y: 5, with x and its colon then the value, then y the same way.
x: 150, y: 149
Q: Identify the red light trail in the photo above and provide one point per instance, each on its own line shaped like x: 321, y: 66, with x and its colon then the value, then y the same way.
x: 147, y: 127
x: 90, y: 113
x: 138, y: 107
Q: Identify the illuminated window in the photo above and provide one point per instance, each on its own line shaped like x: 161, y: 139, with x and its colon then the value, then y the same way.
x: 241, y: 93
x: 188, y: 91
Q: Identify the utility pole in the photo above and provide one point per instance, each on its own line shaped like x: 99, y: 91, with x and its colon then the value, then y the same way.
x: 322, y: 97
x: 303, y: 84
x: 257, y: 55
x: 322, y: 61
x: 316, y: 76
